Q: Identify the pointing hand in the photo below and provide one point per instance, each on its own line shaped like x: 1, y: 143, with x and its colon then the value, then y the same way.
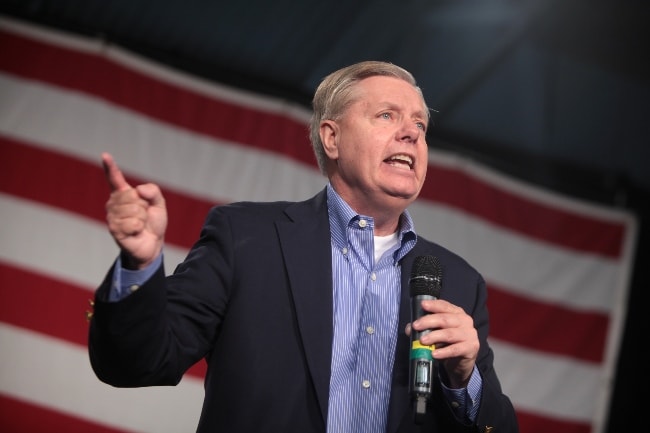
x: 136, y: 217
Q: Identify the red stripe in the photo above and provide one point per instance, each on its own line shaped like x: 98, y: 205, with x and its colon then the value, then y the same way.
x: 76, y: 186
x: 21, y: 417
x: 58, y: 309
x: 43, y: 304
x: 53, y: 179
x: 547, y: 327
x: 49, y: 306
x: 533, y: 423
x: 524, y: 215
x: 185, y: 108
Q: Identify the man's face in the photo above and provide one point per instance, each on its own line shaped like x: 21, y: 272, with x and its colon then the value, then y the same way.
x: 379, y: 146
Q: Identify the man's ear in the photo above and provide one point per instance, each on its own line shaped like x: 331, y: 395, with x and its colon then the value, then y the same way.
x: 329, y: 135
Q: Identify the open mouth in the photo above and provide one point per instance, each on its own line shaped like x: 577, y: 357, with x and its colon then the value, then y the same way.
x: 400, y: 161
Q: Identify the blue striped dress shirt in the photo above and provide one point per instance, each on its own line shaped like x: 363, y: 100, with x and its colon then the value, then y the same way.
x: 366, y: 314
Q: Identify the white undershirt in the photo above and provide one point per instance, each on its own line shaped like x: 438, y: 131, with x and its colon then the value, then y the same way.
x: 383, y: 243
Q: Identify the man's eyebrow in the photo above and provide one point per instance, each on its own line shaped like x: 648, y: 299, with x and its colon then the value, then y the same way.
x: 388, y: 105
x: 422, y: 114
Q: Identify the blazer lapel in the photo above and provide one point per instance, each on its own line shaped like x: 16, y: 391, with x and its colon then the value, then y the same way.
x: 305, y: 242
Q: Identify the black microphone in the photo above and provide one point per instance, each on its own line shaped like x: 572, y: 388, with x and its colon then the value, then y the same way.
x: 425, y: 281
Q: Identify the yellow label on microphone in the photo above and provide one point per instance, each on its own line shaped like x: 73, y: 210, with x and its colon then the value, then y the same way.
x: 420, y: 351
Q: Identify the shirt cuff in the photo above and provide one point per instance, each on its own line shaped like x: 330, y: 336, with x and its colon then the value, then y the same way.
x: 127, y: 281
x: 466, y: 401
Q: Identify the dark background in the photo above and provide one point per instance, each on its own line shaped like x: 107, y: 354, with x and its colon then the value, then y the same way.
x: 554, y: 92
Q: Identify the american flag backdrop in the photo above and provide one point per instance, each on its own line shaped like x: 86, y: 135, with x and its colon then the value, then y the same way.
x: 557, y: 268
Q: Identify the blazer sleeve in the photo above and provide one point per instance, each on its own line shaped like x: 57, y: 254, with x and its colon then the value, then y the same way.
x: 154, y: 335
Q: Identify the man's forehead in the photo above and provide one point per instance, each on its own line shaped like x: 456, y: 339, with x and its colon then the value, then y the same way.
x: 373, y: 94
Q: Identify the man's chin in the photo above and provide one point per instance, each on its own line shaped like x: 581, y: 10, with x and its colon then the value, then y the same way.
x: 402, y: 195
x: 406, y: 190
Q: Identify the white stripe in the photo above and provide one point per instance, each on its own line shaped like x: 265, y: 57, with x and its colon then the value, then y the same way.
x: 57, y: 375
x: 82, y: 126
x: 522, y: 265
x: 551, y: 385
x: 60, y: 244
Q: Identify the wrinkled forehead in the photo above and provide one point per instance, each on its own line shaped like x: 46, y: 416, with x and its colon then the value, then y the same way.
x: 389, y: 91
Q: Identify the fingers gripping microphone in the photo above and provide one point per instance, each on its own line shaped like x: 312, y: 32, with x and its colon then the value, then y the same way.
x: 425, y: 281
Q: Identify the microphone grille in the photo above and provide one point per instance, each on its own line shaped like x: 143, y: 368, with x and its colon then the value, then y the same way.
x: 426, y: 276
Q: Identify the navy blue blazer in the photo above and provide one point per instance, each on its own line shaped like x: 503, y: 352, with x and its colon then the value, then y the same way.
x: 254, y: 298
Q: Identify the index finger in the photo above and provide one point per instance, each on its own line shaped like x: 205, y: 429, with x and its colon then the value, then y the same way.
x: 440, y: 306
x: 114, y: 175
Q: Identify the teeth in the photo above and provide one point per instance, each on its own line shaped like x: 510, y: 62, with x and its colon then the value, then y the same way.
x: 403, y: 158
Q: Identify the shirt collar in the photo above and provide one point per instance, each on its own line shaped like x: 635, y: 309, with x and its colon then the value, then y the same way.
x: 340, y: 215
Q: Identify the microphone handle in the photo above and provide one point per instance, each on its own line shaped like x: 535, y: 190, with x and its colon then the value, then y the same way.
x: 421, y: 361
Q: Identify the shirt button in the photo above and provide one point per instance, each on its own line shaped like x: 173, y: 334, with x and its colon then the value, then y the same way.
x: 133, y: 288
x: 344, y: 250
x: 366, y: 383
x: 455, y: 404
x: 363, y: 223
x: 373, y: 276
x: 370, y: 330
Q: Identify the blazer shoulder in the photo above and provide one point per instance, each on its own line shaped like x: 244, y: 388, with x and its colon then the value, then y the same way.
x: 271, y: 209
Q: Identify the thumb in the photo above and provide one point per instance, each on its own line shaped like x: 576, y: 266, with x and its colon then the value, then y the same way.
x: 114, y: 175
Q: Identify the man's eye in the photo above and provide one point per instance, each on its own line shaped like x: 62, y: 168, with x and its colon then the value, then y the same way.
x: 385, y: 115
x: 422, y: 126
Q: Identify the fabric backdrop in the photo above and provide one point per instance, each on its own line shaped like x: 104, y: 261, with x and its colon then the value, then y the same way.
x: 557, y: 268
